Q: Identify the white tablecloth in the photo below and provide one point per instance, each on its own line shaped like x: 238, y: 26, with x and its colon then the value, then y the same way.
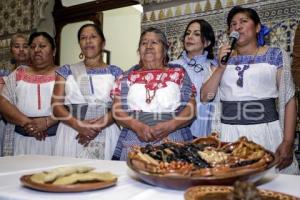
x: 127, y: 188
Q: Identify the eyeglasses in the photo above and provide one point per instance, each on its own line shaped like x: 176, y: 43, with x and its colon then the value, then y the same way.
x: 197, y: 67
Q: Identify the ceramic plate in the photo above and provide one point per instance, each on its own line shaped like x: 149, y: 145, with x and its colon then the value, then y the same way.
x: 78, y: 187
x: 182, y: 182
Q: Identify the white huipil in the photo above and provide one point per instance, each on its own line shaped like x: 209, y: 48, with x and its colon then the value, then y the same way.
x: 259, y: 83
x: 33, y: 94
x: 102, y: 147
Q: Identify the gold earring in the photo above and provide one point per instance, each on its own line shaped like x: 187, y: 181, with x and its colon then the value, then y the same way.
x: 81, y: 56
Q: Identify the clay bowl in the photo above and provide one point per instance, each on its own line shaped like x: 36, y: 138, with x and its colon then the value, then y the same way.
x: 215, y: 176
x: 181, y: 182
x: 212, y: 141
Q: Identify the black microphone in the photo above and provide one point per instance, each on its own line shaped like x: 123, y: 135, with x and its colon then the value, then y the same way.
x: 233, y: 38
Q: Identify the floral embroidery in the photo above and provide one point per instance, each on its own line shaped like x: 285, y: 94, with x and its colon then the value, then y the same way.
x: 152, y: 79
x: 30, y: 78
x: 149, y: 77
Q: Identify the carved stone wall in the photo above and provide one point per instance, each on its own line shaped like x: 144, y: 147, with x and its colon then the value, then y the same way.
x: 144, y: 2
x: 18, y: 16
x: 282, y: 16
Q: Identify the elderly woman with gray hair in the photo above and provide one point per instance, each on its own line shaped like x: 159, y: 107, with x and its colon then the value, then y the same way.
x: 153, y: 100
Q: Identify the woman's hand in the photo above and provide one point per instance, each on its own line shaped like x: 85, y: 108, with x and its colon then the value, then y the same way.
x: 223, y: 51
x: 86, y: 132
x: 284, y: 153
x: 36, y: 125
x: 84, y: 140
x: 40, y: 135
x: 162, y: 130
x: 143, y: 132
x: 97, y: 125
x: 37, y: 128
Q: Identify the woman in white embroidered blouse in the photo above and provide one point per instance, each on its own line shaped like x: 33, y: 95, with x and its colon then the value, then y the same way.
x: 248, y: 85
x: 19, y: 56
x: 153, y: 100
x: 81, y: 100
x: 25, y: 101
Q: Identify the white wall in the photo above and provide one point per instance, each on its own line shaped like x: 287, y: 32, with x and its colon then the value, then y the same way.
x: 68, y: 3
x: 46, y: 22
x: 69, y: 47
x: 121, y: 27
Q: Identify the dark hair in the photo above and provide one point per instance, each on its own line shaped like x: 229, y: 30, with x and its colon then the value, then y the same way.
x: 162, y: 38
x: 46, y: 35
x: 96, y: 27
x: 251, y: 13
x: 207, y: 33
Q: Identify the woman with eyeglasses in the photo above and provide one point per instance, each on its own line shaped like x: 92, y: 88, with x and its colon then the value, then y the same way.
x: 198, y: 59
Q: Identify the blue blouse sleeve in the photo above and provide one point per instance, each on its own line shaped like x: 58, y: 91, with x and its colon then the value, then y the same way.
x: 4, y: 72
x: 275, y: 57
x: 116, y: 71
x: 214, y: 62
x: 64, y: 71
x: 186, y: 90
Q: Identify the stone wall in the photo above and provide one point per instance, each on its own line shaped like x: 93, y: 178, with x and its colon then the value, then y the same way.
x: 22, y: 16
x: 282, y: 16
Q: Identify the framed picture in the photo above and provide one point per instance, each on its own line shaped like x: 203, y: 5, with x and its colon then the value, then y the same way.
x: 106, y: 56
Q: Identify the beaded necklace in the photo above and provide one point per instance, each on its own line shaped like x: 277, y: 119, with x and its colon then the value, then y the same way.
x: 149, y: 97
x: 241, y: 69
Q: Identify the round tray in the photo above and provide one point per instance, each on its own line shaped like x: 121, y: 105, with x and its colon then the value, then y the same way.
x: 181, y: 182
x: 221, y: 192
x: 78, y: 187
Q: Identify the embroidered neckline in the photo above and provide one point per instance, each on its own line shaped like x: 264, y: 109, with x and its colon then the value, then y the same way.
x: 171, y: 74
x: 241, y: 69
x: 31, y: 78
